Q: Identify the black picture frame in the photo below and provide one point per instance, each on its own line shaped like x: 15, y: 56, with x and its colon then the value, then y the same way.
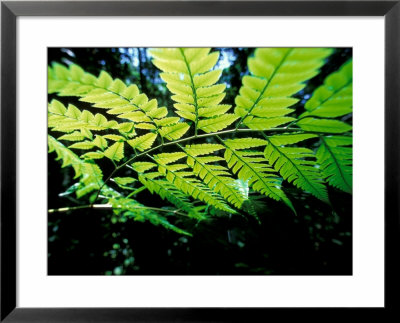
x: 10, y: 10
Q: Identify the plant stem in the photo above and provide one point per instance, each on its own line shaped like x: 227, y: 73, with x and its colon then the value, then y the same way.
x: 196, y: 106
x: 224, y: 132
x: 203, y: 136
x: 72, y: 208
x: 108, y: 206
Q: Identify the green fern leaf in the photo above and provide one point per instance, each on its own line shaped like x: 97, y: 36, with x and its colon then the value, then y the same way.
x: 143, y: 142
x: 68, y: 120
x: 100, y: 142
x: 205, y: 177
x: 256, y: 171
x: 75, y: 136
x: 93, y: 155
x: 147, y: 126
x: 265, y: 123
x: 167, y: 191
x: 112, y: 137
x: 174, y: 132
x: 217, y: 123
x: 88, y: 171
x: 169, y: 158
x: 323, y: 125
x: 277, y: 73
x: 294, y: 164
x: 185, y: 181
x: 187, y: 72
x: 167, y: 121
x: 66, y: 155
x: 142, y: 167
x: 82, y: 145
x: 103, y: 92
x: 336, y: 161
x: 246, y: 143
x: 132, y: 209
x: 289, y: 139
x: 335, y: 97
x: 124, y: 180
x: 216, y: 177
x: 135, y: 116
x: 202, y: 149
x: 211, y: 111
x: 115, y: 151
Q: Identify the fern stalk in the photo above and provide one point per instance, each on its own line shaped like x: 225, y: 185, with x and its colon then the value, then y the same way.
x: 108, y: 206
x: 224, y: 132
x: 193, y: 90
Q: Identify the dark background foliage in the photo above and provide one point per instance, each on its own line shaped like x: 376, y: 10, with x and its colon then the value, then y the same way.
x: 318, y: 241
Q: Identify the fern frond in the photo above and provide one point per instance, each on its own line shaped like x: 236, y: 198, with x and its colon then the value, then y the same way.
x: 184, y: 180
x: 276, y: 74
x: 332, y: 99
x: 295, y: 164
x: 93, y: 155
x: 335, y: 97
x: 132, y: 209
x: 123, y: 181
x: 167, y: 191
x: 85, y: 145
x: 254, y: 170
x: 143, y: 142
x: 202, y: 149
x: 115, y: 151
x: 90, y: 174
x: 75, y: 136
x: 125, y: 102
x: 69, y: 119
x: 189, y: 76
x: 216, y: 177
x: 174, y: 132
x: 207, y: 174
x: 217, y: 123
x: 323, y: 125
x: 128, y: 208
x: 335, y: 158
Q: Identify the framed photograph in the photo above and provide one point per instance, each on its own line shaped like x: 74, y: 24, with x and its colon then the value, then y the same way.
x: 198, y: 160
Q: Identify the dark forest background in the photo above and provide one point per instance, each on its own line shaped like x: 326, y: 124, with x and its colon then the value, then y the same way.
x: 318, y: 241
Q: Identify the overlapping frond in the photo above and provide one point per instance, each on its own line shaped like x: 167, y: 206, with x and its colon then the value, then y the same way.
x: 296, y: 164
x: 276, y: 74
x: 185, y: 180
x: 336, y: 159
x: 335, y: 97
x: 216, y: 176
x: 252, y: 167
x: 70, y: 119
x: 90, y: 174
x: 166, y: 190
x: 112, y: 95
x: 79, y: 127
x: 190, y: 76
